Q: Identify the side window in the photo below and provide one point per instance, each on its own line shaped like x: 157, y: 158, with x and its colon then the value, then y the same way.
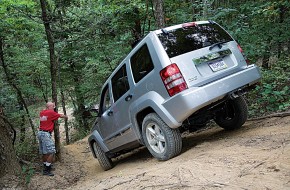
x: 105, y: 100
x: 141, y: 63
x: 120, y: 83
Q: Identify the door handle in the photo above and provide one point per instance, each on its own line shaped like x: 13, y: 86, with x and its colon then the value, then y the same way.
x: 110, y: 113
x: 129, y: 97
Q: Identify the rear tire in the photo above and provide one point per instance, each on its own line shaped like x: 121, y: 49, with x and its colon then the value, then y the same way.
x: 105, y: 162
x: 162, y: 141
x: 233, y: 114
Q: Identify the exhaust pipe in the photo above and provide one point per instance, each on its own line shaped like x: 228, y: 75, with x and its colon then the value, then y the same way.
x: 237, y: 93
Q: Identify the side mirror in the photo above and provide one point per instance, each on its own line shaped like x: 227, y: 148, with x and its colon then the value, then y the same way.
x: 91, y: 113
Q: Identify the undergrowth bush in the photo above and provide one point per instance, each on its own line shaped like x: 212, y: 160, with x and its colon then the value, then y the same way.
x: 26, y: 173
x: 272, y: 95
x: 27, y: 150
x: 78, y: 132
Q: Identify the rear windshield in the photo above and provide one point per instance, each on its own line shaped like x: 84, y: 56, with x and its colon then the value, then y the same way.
x: 183, y: 40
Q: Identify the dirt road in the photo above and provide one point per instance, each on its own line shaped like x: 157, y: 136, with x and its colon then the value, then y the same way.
x: 257, y: 156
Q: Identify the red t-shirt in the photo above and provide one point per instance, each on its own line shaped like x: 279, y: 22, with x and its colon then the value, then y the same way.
x: 47, y: 118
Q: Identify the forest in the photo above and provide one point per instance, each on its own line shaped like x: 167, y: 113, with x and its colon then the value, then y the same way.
x: 63, y: 51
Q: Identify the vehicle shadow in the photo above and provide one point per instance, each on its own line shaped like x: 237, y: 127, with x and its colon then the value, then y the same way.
x: 137, y: 155
x: 209, y: 134
x: 189, y: 141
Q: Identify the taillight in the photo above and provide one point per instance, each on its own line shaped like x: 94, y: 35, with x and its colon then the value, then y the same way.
x: 189, y: 24
x: 173, y: 79
x: 241, y: 50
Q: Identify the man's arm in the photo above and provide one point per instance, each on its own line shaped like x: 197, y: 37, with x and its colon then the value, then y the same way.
x: 63, y: 116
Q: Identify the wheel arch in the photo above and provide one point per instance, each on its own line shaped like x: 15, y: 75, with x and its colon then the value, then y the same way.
x: 140, y: 117
x: 91, y: 147
x: 96, y: 137
x: 148, y: 103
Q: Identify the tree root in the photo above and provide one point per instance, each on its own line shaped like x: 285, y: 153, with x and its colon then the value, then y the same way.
x: 282, y: 114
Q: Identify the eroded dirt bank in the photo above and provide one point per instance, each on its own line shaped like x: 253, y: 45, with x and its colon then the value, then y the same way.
x: 256, y: 156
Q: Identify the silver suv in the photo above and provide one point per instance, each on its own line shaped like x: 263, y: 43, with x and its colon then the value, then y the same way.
x: 176, y: 79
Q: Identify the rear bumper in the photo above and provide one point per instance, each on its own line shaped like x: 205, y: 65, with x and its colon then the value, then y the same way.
x: 184, y: 104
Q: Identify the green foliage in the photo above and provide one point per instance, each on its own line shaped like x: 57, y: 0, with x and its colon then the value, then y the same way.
x: 273, y: 93
x: 93, y: 37
x: 26, y: 173
x: 23, y: 47
x: 261, y: 27
x: 27, y: 150
x: 78, y: 132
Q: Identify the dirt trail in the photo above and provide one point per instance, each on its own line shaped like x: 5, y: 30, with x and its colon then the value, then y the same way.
x: 257, y: 156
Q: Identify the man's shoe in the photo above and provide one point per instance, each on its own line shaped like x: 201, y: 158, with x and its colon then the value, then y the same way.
x: 51, y: 165
x: 47, y: 171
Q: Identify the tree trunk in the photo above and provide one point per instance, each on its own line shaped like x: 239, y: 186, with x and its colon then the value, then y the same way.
x: 81, y: 119
x: 205, y: 9
x: 43, y: 88
x: 282, y: 12
x: 80, y: 104
x: 137, y: 30
x: 63, y: 104
x: 64, y: 112
x: 15, y: 87
x: 288, y: 46
x: 193, y: 11
x: 53, y: 71
x: 22, y: 129
x: 8, y: 161
x: 159, y: 13
x: 265, y: 62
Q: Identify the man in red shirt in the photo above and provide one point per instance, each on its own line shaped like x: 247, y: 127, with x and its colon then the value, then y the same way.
x: 46, y: 144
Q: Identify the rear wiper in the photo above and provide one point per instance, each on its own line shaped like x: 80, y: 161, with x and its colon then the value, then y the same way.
x: 164, y: 31
x: 219, y: 44
x: 168, y: 34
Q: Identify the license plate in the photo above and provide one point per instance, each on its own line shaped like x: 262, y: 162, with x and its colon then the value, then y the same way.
x: 217, y: 66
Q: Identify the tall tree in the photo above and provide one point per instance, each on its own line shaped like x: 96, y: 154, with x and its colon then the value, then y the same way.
x: 53, y: 69
x: 159, y: 13
x: 12, y: 83
x: 205, y: 9
x: 8, y: 160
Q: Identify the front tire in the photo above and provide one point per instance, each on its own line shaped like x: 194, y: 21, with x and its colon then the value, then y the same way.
x: 162, y: 141
x: 233, y: 114
x: 105, y: 162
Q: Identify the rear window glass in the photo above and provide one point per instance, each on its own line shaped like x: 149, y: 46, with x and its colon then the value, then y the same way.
x: 183, y: 40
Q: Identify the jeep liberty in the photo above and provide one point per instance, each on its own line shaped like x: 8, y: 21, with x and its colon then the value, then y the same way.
x: 175, y: 79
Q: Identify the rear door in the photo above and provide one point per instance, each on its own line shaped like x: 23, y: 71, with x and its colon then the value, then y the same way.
x: 122, y: 133
x: 203, y: 51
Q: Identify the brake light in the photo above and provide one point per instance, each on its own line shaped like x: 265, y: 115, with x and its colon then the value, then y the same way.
x: 241, y: 50
x: 173, y: 79
x: 189, y: 24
